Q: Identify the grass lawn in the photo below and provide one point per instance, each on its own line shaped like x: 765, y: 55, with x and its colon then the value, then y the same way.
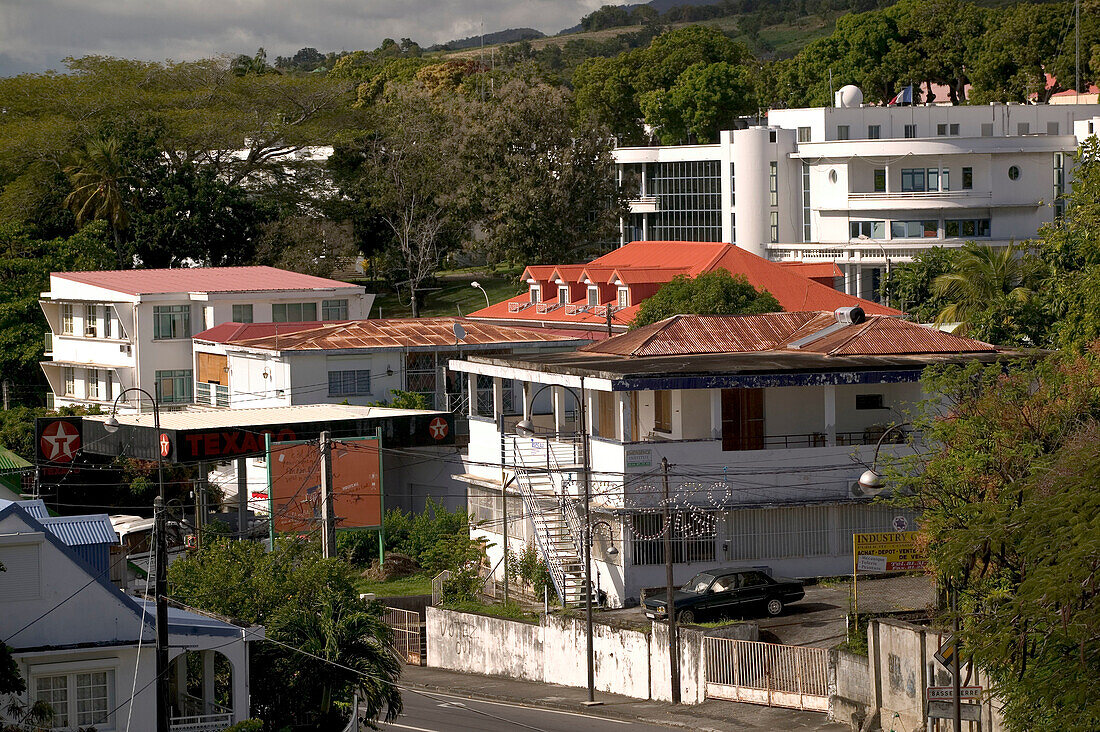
x: 512, y: 610
x: 455, y: 294
x: 416, y: 584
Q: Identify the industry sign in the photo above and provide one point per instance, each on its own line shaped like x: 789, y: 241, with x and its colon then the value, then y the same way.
x: 294, y: 488
x: 889, y: 551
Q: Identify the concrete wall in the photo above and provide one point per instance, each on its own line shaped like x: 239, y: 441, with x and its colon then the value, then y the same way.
x: 628, y: 662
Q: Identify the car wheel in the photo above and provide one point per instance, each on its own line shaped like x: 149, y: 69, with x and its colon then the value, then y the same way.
x: 774, y: 606
x: 685, y: 616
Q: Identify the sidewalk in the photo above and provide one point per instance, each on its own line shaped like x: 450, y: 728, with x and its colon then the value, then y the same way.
x: 712, y: 716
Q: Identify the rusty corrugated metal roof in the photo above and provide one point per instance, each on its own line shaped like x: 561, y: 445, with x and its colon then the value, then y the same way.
x: 893, y: 337
x: 395, y: 333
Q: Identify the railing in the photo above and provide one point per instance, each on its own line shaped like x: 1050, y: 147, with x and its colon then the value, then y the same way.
x: 211, y: 395
x: 437, y: 586
x: 406, y: 633
x: 49, y: 344
x: 201, y: 722
x: 767, y: 673
x: 868, y: 436
x: 908, y: 195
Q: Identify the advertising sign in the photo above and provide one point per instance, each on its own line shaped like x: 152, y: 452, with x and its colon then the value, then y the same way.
x: 889, y: 551
x: 295, y: 489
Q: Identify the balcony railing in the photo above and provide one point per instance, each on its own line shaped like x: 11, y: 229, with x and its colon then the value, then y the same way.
x: 49, y: 344
x: 211, y: 395
x: 202, y: 722
x: 868, y: 436
x: 917, y: 195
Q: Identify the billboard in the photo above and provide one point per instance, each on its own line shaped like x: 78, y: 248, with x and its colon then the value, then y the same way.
x: 889, y: 551
x: 294, y: 487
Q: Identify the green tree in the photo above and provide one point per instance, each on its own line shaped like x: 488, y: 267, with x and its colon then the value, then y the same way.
x: 305, y: 602
x: 711, y: 293
x: 705, y: 99
x: 910, y: 285
x: 100, y: 186
x: 1011, y: 60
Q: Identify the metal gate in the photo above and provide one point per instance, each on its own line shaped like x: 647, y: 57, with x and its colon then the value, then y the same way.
x: 406, y: 633
x: 767, y: 673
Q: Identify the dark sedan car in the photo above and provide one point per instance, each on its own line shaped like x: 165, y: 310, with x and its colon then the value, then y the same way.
x: 720, y: 591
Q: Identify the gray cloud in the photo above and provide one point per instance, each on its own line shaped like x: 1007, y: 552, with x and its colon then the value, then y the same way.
x: 38, y: 34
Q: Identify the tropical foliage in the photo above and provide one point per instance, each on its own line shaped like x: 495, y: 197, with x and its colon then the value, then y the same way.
x: 711, y: 293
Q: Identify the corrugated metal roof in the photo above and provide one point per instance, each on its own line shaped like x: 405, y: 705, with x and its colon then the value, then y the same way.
x: 10, y: 462
x: 81, y: 530
x: 228, y: 332
x: 36, y: 507
x: 391, y: 333
x: 894, y: 337
x: 259, y: 416
x: 202, y: 279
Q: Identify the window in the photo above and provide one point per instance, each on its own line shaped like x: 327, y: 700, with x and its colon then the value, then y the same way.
x: 774, y: 227
x: 77, y: 699
x: 91, y: 384
x: 733, y: 184
x: 976, y: 228
x: 987, y: 129
x: 874, y: 132
x: 880, y: 180
x: 773, y: 182
x: 624, y: 297
x: 242, y: 313
x: 563, y: 294
x: 937, y: 179
x: 69, y: 378
x: 689, y: 541
x: 334, y: 310
x: 420, y: 374
x: 870, y: 401
x: 1059, y: 185
x: 1023, y: 128
x: 912, y: 179
x: 1052, y: 128
x: 689, y: 198
x: 350, y: 383
x: 593, y: 296
x: 171, y: 321
x: 945, y: 129
x: 294, y: 312
x: 806, y: 202
x: 867, y: 229
x: 803, y: 134
x: 941, y: 130
x: 954, y: 130
x: 968, y: 179
x: 733, y: 228
x: 174, y: 387
x: 910, y: 131
x: 914, y: 229
x: 1013, y: 172
x: 533, y: 291
x: 842, y: 132
x: 66, y: 319
x: 771, y: 136
x: 108, y: 387
x: 662, y: 411
x: 91, y: 321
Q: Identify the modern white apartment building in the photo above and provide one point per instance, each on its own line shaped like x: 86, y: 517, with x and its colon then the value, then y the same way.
x: 111, y: 330
x: 864, y: 186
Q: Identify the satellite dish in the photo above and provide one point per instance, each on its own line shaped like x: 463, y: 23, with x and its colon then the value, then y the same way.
x: 460, y: 332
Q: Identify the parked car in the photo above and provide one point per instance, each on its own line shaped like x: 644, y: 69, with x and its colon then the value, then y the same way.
x: 728, y: 590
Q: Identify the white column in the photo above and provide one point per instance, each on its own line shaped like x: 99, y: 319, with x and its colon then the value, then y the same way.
x: 716, y: 413
x: 830, y: 415
x: 887, y: 177
x: 471, y: 391
x: 858, y: 273
x: 181, y: 676
x: 208, y: 681
x: 849, y: 286
x: 622, y: 409
x: 528, y: 407
x: 498, y: 396
x: 557, y: 395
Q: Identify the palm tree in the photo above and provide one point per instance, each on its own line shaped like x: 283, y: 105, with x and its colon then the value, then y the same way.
x: 99, y: 181
x: 983, y: 275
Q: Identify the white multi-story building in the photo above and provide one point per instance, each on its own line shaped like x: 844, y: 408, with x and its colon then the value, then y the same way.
x: 864, y: 186
x: 111, y: 330
x: 767, y: 423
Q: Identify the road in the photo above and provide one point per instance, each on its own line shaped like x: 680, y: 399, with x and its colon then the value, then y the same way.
x: 437, y: 712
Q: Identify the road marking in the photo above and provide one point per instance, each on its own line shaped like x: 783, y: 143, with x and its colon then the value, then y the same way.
x: 405, y: 726
x: 527, y: 706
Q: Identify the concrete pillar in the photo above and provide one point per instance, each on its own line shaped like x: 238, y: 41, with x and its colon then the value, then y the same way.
x: 858, y: 274
x: 887, y: 177
x: 830, y: 415
x: 622, y: 415
x: 208, y: 681
x: 716, y: 413
x: 181, y: 677
x: 498, y: 396
x: 528, y: 407
x: 242, y: 498
x: 557, y: 394
x: 471, y: 391
x: 849, y: 286
x: 238, y: 661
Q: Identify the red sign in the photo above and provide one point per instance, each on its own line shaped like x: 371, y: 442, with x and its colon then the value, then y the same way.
x: 60, y: 442
x: 438, y: 428
x: 165, y: 444
x: 296, y: 485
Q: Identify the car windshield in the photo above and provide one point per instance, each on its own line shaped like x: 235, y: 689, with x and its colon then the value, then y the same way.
x: 698, y: 583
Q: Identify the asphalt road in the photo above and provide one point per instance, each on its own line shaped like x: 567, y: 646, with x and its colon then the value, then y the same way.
x: 449, y: 713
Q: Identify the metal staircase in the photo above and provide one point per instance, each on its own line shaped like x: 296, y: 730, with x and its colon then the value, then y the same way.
x: 539, y: 465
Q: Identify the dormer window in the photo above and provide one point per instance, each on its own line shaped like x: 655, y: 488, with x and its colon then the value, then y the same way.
x: 593, y: 296
x: 535, y: 294
x: 624, y: 297
x: 563, y: 294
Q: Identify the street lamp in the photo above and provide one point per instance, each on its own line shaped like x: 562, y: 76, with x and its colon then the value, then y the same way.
x: 872, y: 481
x: 528, y: 427
x: 477, y: 284
x: 160, y: 587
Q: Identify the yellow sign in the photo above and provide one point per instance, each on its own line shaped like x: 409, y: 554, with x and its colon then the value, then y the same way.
x: 889, y: 551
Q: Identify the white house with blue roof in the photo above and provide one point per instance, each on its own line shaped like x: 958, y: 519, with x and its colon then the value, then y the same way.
x: 87, y: 648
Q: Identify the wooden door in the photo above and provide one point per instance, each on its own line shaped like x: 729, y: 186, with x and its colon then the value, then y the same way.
x: 605, y: 423
x: 742, y: 419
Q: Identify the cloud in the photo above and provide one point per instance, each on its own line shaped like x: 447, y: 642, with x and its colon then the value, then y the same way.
x: 38, y: 34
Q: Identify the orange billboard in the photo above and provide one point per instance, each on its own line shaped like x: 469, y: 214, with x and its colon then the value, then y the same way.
x: 295, y: 485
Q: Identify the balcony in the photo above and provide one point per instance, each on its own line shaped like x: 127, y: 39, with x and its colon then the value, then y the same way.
x: 211, y: 395
x: 915, y: 200
x: 201, y: 722
x: 644, y: 204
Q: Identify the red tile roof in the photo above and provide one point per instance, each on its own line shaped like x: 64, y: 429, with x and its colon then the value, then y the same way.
x: 379, y: 333
x: 656, y: 262
x: 201, y: 279
x: 814, y: 270
x: 878, y: 335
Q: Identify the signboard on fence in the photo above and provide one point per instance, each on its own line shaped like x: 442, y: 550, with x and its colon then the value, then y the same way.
x: 295, y: 485
x: 889, y: 551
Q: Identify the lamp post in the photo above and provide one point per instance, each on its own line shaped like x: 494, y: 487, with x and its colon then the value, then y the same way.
x: 872, y: 481
x: 477, y: 284
x: 528, y: 426
x: 160, y: 587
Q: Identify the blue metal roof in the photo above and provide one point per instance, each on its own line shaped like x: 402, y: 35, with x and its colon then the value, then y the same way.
x: 35, y: 507
x: 81, y: 530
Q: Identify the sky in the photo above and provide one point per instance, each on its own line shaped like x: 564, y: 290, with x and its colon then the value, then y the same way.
x: 36, y: 35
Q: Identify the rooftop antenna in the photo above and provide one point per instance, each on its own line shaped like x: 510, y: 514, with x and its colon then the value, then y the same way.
x: 1077, y: 58
x: 832, y: 94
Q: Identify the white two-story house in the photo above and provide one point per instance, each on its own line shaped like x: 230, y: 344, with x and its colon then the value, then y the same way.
x: 110, y: 330
x: 766, y: 422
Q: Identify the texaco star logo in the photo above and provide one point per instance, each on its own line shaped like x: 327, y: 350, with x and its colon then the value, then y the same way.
x: 165, y: 445
x: 60, y: 441
x: 438, y: 428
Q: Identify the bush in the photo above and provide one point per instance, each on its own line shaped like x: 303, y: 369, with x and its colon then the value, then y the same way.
x: 418, y: 534
x: 359, y: 546
x: 248, y: 725
x: 529, y: 567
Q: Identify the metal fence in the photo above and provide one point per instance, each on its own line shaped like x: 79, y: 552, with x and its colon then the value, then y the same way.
x: 767, y: 673
x: 406, y: 633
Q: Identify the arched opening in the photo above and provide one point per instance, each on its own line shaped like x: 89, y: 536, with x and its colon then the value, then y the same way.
x: 201, y: 684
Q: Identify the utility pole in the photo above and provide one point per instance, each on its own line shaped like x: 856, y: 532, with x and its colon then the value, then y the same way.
x: 670, y: 590
x: 955, y: 657
x: 242, y: 498
x: 161, y: 592
x: 590, y: 655
x: 328, y: 514
x: 503, y: 501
